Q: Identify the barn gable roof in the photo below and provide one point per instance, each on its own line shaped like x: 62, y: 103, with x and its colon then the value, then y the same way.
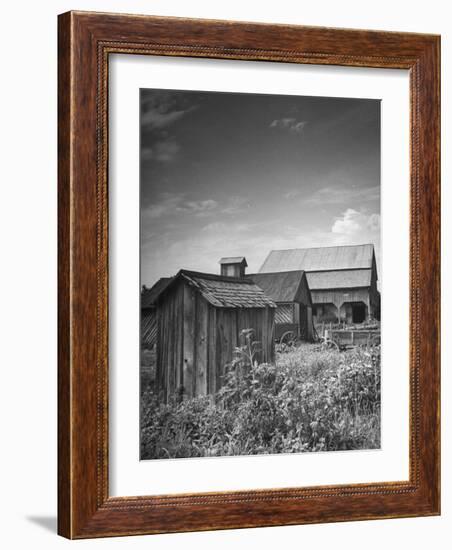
x: 222, y: 291
x: 284, y: 286
x: 320, y: 259
x: 349, y: 278
x: 149, y: 295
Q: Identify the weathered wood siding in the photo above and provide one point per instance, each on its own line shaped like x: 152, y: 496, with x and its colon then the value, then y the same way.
x: 374, y: 297
x: 338, y: 297
x: 310, y: 324
x: 228, y: 324
x: 148, y: 328
x: 196, y: 341
x: 304, y: 293
x: 369, y: 295
x: 170, y: 342
x: 201, y: 344
x: 293, y: 317
x: 285, y: 313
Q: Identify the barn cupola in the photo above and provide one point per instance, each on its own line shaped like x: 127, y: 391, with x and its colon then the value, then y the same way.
x: 233, y: 267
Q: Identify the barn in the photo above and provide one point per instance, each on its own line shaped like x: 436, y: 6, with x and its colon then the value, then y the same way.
x: 342, y: 280
x: 199, y: 320
x: 149, y: 312
x: 290, y: 292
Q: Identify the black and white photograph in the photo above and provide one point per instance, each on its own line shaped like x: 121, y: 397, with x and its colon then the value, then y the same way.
x: 260, y: 274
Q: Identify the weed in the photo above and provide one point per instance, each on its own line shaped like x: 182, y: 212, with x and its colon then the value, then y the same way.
x: 309, y: 400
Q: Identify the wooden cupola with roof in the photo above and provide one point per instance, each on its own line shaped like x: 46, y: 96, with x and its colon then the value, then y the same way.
x: 233, y: 266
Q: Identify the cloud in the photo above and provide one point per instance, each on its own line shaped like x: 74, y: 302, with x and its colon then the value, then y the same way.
x: 214, y: 226
x: 236, y: 205
x: 373, y: 222
x: 348, y: 224
x: 354, y: 227
x: 221, y: 227
x: 175, y: 203
x: 353, y: 222
x: 291, y: 124
x: 154, y: 119
x: 202, y: 248
x: 160, y: 109
x: 199, y: 208
x: 167, y: 204
x: 292, y: 194
x: 162, y: 151
x: 343, y: 195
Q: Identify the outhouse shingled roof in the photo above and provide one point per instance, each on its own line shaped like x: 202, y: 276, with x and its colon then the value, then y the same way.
x: 221, y: 291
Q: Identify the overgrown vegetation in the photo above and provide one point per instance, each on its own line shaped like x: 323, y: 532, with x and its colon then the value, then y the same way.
x: 311, y: 399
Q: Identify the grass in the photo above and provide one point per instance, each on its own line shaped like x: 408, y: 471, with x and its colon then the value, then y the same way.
x: 309, y: 400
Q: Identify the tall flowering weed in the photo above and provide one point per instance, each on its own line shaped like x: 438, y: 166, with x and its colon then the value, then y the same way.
x: 309, y: 400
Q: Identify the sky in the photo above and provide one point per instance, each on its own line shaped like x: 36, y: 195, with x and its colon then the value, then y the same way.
x: 225, y: 174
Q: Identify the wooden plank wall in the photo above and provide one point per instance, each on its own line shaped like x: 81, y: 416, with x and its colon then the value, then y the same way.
x: 302, y: 321
x: 304, y: 294
x: 309, y: 323
x: 196, y: 341
x: 229, y: 324
x: 306, y: 327
x: 189, y: 312
x: 212, y: 351
x: 337, y: 297
x: 170, y: 343
x: 201, y: 342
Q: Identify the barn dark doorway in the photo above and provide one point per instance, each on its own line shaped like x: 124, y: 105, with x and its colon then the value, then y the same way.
x: 358, y: 313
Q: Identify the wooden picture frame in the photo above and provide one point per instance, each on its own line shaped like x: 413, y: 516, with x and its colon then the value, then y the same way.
x: 85, y: 508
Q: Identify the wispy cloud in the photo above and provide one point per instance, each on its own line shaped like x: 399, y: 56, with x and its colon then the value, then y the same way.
x: 291, y: 124
x: 343, y: 195
x: 161, y: 151
x: 154, y: 119
x: 161, y: 109
x: 292, y: 194
x: 214, y: 226
x: 236, y: 205
x: 176, y: 204
x: 221, y: 227
x: 201, y: 250
x: 169, y: 204
x: 199, y: 208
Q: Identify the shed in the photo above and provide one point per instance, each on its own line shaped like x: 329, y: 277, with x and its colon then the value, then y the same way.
x: 290, y: 291
x: 148, y: 312
x: 199, y: 320
x: 342, y: 279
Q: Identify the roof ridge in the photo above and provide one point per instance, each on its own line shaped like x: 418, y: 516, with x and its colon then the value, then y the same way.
x: 337, y: 269
x: 277, y: 272
x: 320, y: 247
x: 214, y: 276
